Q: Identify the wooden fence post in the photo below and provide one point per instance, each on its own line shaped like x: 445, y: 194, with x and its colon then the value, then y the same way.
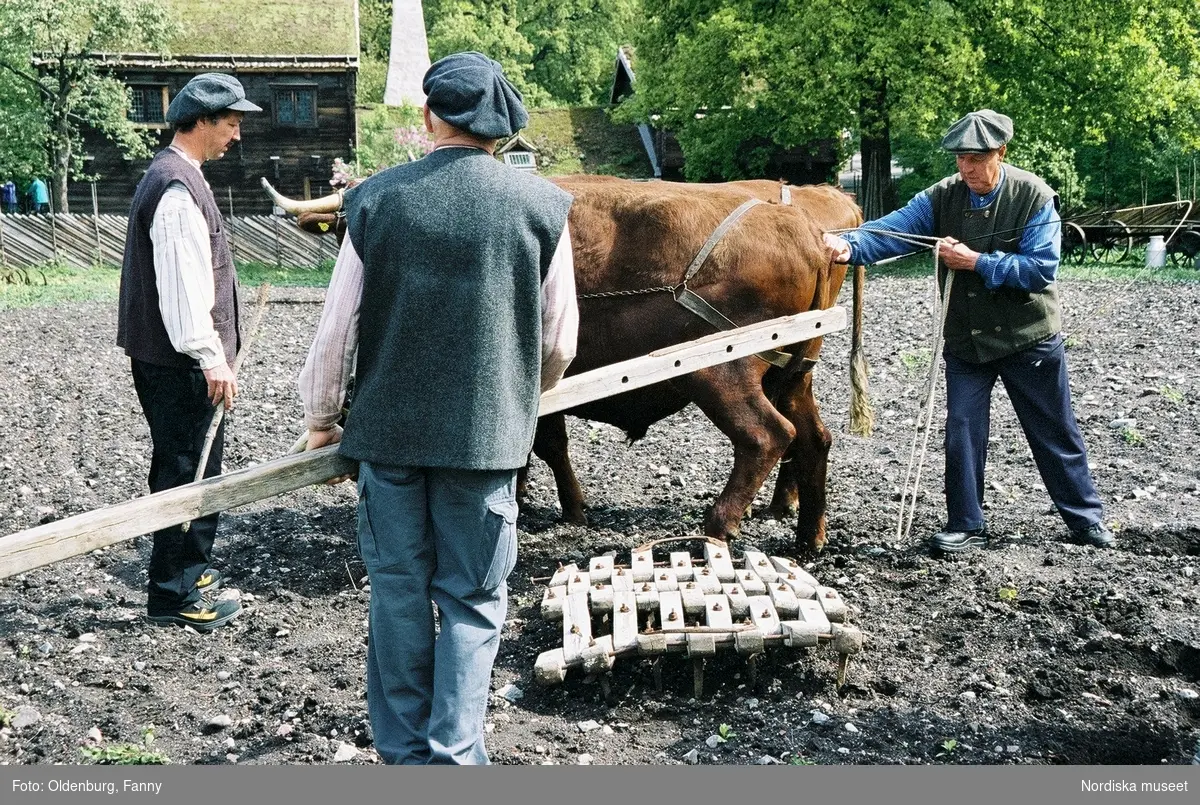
x: 232, y: 227
x: 96, y: 225
x: 53, y: 229
x: 3, y: 254
x: 278, y: 242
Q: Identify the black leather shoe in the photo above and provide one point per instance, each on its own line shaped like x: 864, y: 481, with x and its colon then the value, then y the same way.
x: 958, y: 541
x: 1097, y: 535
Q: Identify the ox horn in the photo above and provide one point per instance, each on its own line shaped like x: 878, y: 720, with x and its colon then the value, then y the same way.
x: 330, y: 203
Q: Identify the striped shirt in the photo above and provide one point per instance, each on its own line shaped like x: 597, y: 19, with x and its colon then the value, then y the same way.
x: 1031, y: 268
x: 184, y: 274
x: 331, y: 358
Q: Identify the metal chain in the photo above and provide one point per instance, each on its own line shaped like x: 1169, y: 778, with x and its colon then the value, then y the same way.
x: 602, y: 294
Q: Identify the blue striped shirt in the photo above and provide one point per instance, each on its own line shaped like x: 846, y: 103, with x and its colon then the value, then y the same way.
x: 1031, y: 268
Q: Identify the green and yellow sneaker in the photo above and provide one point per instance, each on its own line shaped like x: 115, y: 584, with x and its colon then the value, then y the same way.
x: 210, y: 580
x: 200, y: 616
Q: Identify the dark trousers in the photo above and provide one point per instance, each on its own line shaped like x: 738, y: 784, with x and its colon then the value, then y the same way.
x: 175, y: 402
x: 1036, y: 381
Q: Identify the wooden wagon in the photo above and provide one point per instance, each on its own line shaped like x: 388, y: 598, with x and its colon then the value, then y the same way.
x: 1108, y: 236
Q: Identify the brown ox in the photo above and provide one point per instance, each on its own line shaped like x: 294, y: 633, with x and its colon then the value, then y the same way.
x: 630, y: 236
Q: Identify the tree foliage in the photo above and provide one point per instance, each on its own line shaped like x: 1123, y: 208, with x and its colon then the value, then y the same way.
x: 45, y: 45
x: 555, y: 51
x: 1099, y: 90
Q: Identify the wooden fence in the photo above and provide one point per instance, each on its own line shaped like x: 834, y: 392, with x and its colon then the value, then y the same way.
x: 82, y: 241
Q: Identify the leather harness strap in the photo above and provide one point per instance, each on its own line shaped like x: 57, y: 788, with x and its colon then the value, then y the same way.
x: 698, y: 305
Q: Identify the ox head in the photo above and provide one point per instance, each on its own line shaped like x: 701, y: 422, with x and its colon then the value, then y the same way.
x: 318, y: 216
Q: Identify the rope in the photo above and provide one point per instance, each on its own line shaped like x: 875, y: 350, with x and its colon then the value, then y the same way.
x: 904, y: 529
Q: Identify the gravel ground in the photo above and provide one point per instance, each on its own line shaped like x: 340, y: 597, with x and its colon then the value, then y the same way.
x: 1031, y: 652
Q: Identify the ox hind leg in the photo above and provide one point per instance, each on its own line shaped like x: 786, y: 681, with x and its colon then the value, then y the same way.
x: 731, y: 395
x: 800, y: 486
x: 550, y: 445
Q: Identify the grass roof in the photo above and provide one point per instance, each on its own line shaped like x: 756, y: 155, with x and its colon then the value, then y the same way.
x: 585, y: 140
x: 266, y: 27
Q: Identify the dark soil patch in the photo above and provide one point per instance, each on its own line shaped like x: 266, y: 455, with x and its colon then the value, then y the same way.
x: 1033, y: 651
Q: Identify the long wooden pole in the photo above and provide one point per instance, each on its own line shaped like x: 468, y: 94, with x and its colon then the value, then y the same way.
x: 218, y: 412
x: 71, y: 536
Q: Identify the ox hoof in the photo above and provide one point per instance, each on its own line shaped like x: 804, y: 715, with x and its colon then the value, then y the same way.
x: 781, y: 512
x: 575, y: 518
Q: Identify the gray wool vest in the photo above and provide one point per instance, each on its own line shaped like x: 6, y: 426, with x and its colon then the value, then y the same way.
x: 140, y: 327
x: 984, y: 325
x: 455, y: 247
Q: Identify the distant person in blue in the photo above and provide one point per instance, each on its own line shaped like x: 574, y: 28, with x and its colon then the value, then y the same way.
x: 1001, y: 233
x: 8, y: 197
x: 39, y: 197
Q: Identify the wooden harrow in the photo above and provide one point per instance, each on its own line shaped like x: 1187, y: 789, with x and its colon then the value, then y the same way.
x: 1108, y: 236
x: 656, y: 604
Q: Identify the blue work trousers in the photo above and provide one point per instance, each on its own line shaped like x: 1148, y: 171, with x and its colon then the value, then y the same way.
x: 1036, y: 381
x: 448, y: 536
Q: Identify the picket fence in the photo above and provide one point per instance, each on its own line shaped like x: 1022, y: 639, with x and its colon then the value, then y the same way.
x: 83, y: 241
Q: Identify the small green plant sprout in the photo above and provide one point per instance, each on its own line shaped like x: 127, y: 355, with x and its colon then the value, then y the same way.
x: 725, y: 733
x: 801, y: 760
x: 914, y: 361
x: 594, y: 436
x: 141, y: 754
x: 1070, y: 342
x: 6, y: 716
x: 1008, y: 594
x: 1132, y: 436
x: 948, y: 747
x: 1171, y: 394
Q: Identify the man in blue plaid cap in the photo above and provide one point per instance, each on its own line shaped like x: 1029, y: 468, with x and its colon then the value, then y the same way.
x: 1001, y: 235
x: 456, y: 289
x: 178, y: 323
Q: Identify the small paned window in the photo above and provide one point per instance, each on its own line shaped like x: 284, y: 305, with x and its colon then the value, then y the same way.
x: 296, y: 107
x: 148, y: 104
x: 521, y: 160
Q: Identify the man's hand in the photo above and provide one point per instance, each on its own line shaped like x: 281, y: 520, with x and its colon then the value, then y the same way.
x: 839, y: 246
x: 323, y: 438
x: 957, y: 255
x: 222, y: 385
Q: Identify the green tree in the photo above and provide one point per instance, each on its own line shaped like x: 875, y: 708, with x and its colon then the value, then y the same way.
x: 736, y: 79
x: 1115, y: 82
x: 555, y: 51
x: 49, y: 45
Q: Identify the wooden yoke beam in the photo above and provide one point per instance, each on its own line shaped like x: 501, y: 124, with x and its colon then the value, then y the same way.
x: 72, y: 536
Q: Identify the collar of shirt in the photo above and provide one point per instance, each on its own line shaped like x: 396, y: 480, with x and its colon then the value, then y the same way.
x: 983, y: 201
x: 191, y: 161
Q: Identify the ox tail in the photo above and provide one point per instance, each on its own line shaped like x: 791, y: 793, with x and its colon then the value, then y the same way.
x: 862, y: 415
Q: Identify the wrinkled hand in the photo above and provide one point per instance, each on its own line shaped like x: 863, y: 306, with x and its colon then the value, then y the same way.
x: 323, y: 438
x: 839, y: 246
x: 222, y: 385
x: 957, y: 255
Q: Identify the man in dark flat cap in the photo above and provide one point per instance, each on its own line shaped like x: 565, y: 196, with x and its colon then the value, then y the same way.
x: 456, y: 289
x: 178, y: 323
x: 1001, y: 234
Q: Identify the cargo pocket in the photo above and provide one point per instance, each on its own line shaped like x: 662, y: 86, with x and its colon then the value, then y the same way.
x: 501, y: 521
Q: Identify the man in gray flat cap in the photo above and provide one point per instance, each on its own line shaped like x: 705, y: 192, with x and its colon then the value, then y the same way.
x: 178, y: 323
x: 1001, y: 234
x: 456, y: 289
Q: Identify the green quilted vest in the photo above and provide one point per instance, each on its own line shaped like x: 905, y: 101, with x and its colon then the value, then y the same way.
x: 983, y: 325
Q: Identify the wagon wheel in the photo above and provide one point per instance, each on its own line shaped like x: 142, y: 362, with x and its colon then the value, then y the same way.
x: 1185, y: 248
x: 1115, y: 243
x: 1074, y: 243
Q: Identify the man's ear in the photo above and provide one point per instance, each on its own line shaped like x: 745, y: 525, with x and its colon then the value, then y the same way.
x: 1003, y: 150
x: 428, y: 119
